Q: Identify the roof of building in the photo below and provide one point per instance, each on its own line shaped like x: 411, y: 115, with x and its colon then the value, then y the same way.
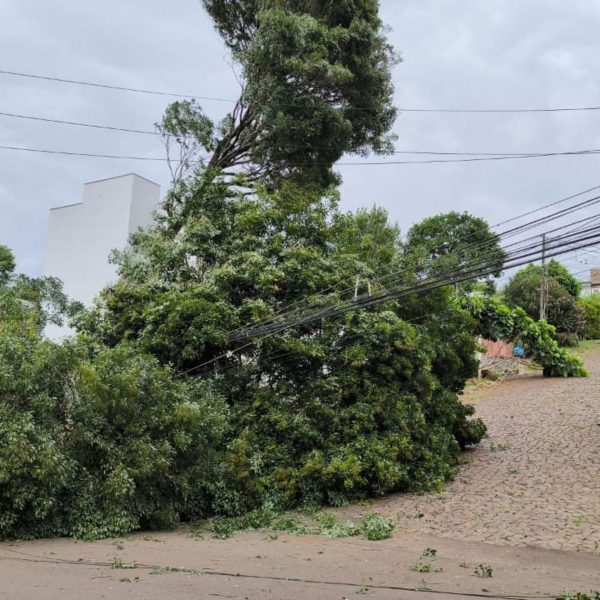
x: 66, y: 206
x: 120, y: 176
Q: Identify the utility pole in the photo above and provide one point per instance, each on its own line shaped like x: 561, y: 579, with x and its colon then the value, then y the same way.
x: 543, y: 281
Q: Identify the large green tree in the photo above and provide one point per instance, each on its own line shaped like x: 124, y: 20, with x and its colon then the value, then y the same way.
x: 206, y: 380
x: 455, y: 245
x: 326, y: 411
x: 315, y: 84
x: 562, y: 308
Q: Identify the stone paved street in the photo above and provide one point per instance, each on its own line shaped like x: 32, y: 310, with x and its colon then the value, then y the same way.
x: 534, y: 481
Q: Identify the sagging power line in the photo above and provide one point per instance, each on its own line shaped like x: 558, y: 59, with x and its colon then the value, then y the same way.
x: 522, y: 252
x: 467, y: 246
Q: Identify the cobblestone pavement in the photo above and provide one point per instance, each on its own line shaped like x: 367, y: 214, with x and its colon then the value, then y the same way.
x: 534, y: 481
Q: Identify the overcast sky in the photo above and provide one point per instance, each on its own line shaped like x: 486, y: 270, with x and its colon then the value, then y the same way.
x: 456, y: 54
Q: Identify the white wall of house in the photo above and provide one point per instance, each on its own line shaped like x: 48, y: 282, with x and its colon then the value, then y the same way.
x: 82, y: 236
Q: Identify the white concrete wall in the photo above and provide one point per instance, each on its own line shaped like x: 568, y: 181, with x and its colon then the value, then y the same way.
x: 144, y: 200
x: 81, y: 236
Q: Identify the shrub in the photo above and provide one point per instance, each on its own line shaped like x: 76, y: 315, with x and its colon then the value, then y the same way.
x: 497, y: 321
x: 375, y: 527
x: 146, y: 446
x: 98, y: 443
x: 591, y: 311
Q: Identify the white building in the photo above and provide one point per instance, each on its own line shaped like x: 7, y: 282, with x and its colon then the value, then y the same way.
x: 81, y: 236
x: 592, y: 286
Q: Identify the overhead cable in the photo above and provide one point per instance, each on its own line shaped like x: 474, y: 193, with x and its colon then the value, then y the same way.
x: 122, y: 88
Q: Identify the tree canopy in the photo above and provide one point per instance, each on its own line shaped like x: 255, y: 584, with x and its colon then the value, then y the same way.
x: 315, y: 83
x: 7, y: 264
x: 563, y: 310
x: 456, y: 243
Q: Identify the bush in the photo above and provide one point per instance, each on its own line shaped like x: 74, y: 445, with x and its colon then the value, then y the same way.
x: 35, y: 471
x: 146, y: 446
x: 98, y: 443
x: 375, y: 527
x: 380, y: 421
x: 34, y: 476
x: 591, y: 311
x: 563, y: 310
x: 497, y: 321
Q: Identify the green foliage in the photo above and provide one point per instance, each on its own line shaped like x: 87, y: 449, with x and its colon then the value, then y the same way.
x: 226, y: 527
x: 161, y: 410
x: 425, y: 562
x: 368, y: 428
x: 329, y: 526
x: 563, y: 277
x: 579, y: 596
x: 498, y: 447
x: 497, y: 321
x: 591, y: 315
x: 375, y: 527
x: 316, y: 84
x: 97, y: 443
x: 372, y: 527
x: 33, y: 476
x: 7, y: 264
x: 446, y: 243
x: 563, y: 310
x: 146, y: 445
x: 484, y: 571
x: 322, y: 414
x: 332, y: 412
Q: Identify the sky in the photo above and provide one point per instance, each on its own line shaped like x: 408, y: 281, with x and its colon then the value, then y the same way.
x: 455, y: 54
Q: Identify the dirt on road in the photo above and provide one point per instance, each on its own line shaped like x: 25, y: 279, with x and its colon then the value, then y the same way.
x: 526, y: 506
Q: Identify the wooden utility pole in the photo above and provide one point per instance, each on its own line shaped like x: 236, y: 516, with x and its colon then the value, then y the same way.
x: 543, y: 281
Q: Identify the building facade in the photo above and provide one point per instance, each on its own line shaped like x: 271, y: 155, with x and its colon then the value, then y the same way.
x: 592, y: 286
x: 81, y: 236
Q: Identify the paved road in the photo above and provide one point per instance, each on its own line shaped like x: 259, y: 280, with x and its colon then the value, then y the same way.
x: 535, y: 481
x: 253, y: 566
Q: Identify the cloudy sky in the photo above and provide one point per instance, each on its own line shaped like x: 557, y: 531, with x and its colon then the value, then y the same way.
x: 456, y: 54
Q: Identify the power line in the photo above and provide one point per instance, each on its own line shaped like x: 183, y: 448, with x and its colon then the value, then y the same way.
x: 107, y: 86
x: 519, y: 258
x: 395, y: 294
x: 284, y: 357
x: 399, y: 152
x: 231, y: 100
x: 158, y: 133
x: 78, y: 123
x: 557, y: 246
x: 83, y: 154
x: 459, y: 251
x: 339, y: 164
x: 561, y: 201
x: 497, y: 155
x: 467, y: 160
x: 509, y: 233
